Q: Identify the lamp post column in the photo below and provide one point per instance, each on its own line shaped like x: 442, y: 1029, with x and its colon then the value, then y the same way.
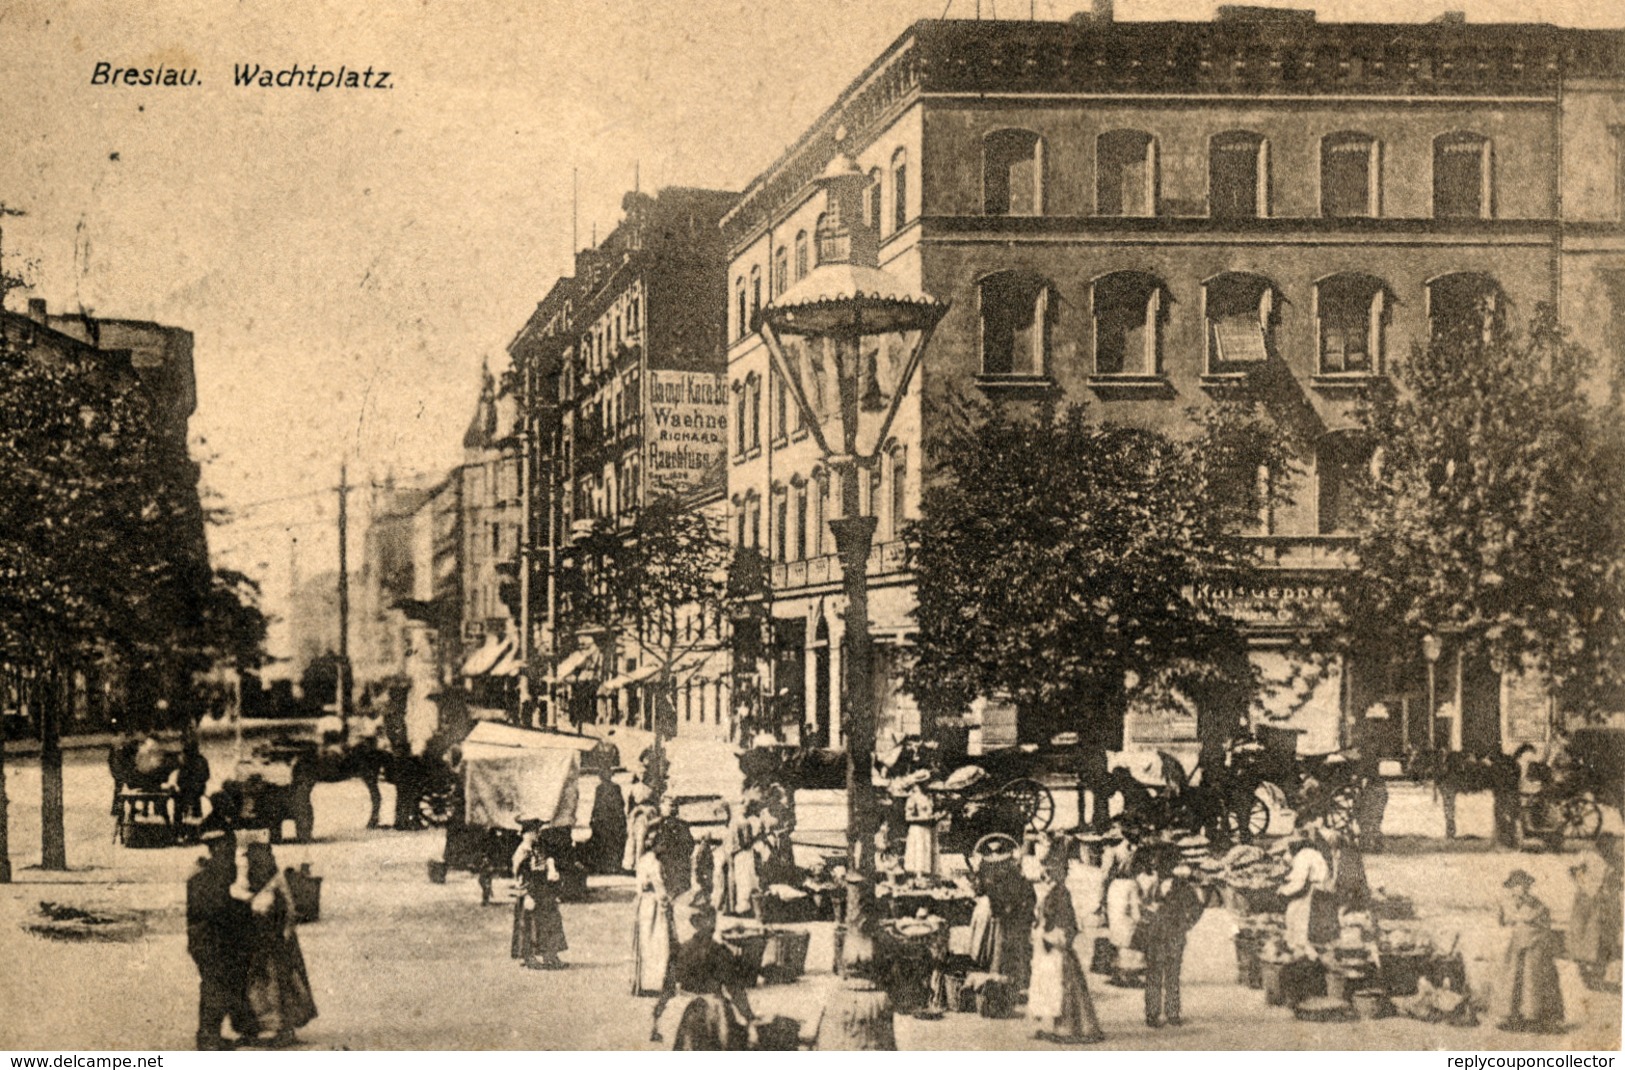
x: 854, y: 535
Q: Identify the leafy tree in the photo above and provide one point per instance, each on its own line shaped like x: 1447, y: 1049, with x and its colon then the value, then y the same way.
x: 644, y: 583
x: 1497, y: 514
x: 1072, y: 565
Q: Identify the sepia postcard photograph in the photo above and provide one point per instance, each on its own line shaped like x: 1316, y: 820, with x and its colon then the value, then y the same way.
x: 1043, y: 525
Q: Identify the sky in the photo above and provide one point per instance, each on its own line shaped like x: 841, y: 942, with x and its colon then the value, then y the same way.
x: 348, y: 261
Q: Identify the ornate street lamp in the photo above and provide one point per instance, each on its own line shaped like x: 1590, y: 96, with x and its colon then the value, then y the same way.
x: 842, y: 301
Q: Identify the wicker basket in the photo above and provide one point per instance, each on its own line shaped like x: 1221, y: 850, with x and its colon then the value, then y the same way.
x: 784, y: 957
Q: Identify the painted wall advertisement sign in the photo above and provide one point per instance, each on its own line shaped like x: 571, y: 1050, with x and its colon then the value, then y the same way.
x: 687, y: 430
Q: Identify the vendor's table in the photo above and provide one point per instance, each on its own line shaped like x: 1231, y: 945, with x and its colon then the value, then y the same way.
x: 953, y: 905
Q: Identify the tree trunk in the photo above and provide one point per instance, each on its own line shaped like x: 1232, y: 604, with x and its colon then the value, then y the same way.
x: 53, y: 841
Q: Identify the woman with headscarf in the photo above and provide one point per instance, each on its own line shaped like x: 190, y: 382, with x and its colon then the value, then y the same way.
x: 277, y: 990
x: 1526, y: 996
x: 538, y: 927
x: 652, y: 928
x: 1058, y: 995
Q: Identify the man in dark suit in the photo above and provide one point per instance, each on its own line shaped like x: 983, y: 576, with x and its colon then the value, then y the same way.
x: 1170, y: 908
x: 217, y: 939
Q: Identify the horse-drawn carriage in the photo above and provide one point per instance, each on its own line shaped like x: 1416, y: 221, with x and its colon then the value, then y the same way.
x: 149, y: 798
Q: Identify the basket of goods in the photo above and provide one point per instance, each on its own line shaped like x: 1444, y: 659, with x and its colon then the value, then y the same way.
x: 1252, y: 881
x: 1250, y: 941
x: 749, y: 943
x: 1404, y: 955
x: 784, y: 956
x: 993, y: 995
x: 1371, y: 1003
x: 776, y: 1033
x: 1289, y: 979
x: 1323, y: 1009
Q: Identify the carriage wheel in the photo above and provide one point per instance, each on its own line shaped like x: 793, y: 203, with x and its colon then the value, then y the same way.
x: 1033, y: 800
x: 1582, y: 818
x: 435, y: 807
x: 1249, y: 819
x: 1340, y: 814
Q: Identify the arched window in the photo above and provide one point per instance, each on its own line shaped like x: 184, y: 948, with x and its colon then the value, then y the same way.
x: 1128, y: 324
x: 753, y: 512
x: 1238, y: 175
x: 739, y: 520
x: 1240, y: 310
x: 1350, y: 173
x: 1465, y: 306
x: 899, y: 189
x: 755, y: 297
x: 872, y: 197
x: 1013, y: 173
x: 1126, y: 173
x: 801, y: 255
x: 1461, y: 176
x: 781, y: 270
x: 1352, y: 313
x: 1015, y: 324
x: 742, y: 316
x: 741, y: 411
x: 1341, y: 458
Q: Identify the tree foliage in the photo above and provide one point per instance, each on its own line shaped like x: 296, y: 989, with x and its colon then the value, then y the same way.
x: 642, y: 582
x: 1497, y: 508
x: 1060, y: 560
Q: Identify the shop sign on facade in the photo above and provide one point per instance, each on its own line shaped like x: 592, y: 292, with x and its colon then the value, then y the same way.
x: 1278, y: 605
x: 687, y: 430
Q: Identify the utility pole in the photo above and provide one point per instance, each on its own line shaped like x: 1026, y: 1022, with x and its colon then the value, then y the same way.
x: 6, y: 283
x: 343, y: 697
x: 527, y: 476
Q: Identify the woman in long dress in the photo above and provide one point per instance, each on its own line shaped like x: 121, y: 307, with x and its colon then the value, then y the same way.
x: 538, y: 927
x: 1594, y: 937
x: 1058, y: 996
x: 1526, y: 996
x: 1001, y: 926
x: 738, y: 888
x: 920, y: 849
x: 1122, y: 914
x: 1311, y: 909
x: 652, y: 929
x: 277, y: 990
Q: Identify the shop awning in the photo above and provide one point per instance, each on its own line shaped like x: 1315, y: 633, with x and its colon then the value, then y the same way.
x: 636, y: 676
x: 508, y: 664
x: 485, y: 658
x: 577, y: 665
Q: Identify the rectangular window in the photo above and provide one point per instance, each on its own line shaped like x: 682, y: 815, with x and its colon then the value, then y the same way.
x: 801, y: 523
x: 755, y: 507
x: 899, y: 491
x: 1348, y: 167
x: 1236, y: 177
x: 1461, y: 177
x: 900, y: 197
x: 781, y: 525
x: 1125, y: 175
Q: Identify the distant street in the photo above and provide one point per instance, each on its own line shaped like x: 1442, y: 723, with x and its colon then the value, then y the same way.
x: 398, y: 962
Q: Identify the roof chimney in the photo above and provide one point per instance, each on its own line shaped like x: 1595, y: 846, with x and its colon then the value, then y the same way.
x: 1102, y: 10
x: 1451, y: 18
x: 36, y: 309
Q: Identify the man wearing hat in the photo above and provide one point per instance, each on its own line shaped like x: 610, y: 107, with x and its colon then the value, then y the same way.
x: 1526, y: 996
x: 217, y: 939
